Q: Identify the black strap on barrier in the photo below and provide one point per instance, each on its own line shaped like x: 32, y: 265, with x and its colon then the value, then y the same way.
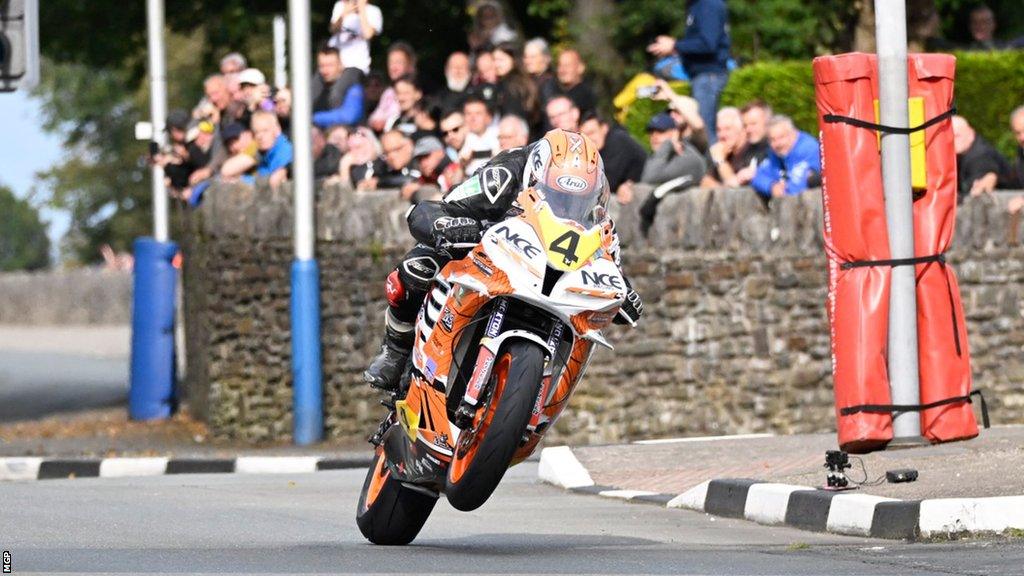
x: 941, y: 259
x: 836, y: 118
x: 893, y: 408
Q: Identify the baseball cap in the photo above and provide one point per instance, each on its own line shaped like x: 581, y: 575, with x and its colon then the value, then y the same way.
x: 426, y: 145
x: 231, y: 131
x: 661, y: 122
x: 178, y: 119
x: 251, y: 76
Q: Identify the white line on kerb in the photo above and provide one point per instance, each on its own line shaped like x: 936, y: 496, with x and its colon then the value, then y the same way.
x: 703, y: 439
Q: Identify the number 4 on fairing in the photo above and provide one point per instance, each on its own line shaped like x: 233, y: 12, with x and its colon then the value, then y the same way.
x: 566, y: 245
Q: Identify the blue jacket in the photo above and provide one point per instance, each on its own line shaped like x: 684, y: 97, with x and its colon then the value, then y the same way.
x: 349, y: 113
x: 803, y: 159
x: 705, y: 45
x: 279, y: 156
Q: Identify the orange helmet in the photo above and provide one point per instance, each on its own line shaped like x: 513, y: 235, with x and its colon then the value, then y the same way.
x: 567, y: 169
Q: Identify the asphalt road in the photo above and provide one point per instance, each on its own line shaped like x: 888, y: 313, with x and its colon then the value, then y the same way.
x: 37, y: 384
x: 305, y: 524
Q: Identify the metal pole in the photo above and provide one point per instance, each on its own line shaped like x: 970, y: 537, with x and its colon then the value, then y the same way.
x: 31, y: 79
x: 891, y: 37
x: 158, y: 110
x: 305, y: 301
x: 280, y: 53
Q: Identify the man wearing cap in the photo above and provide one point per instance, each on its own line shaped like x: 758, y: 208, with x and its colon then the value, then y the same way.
x: 435, y: 169
x: 174, y: 157
x: 660, y: 129
x: 674, y: 165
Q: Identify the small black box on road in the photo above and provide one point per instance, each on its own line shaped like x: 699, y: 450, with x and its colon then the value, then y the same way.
x: 901, y: 475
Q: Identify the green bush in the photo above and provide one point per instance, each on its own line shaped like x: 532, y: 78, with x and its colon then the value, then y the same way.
x: 989, y: 85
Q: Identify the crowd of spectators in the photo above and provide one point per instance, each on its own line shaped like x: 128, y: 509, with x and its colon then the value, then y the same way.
x: 399, y: 130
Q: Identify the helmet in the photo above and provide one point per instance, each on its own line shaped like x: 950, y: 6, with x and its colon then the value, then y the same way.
x: 566, y: 168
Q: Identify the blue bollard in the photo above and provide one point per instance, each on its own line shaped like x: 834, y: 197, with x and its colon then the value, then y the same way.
x: 306, y: 371
x: 152, y: 394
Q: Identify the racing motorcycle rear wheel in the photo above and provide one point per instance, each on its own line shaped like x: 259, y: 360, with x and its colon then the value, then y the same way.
x: 483, y: 453
x: 389, y: 513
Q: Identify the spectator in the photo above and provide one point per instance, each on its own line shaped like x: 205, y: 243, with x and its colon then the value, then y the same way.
x: 275, y: 149
x: 571, y: 81
x: 980, y: 168
x: 755, y: 123
x: 517, y: 94
x: 244, y: 156
x: 326, y: 156
x: 398, y: 150
x: 453, y: 130
x: 481, y: 135
x: 255, y: 93
x: 513, y: 132
x: 408, y: 94
x: 353, y: 24
x: 983, y: 30
x: 490, y: 27
x: 674, y: 164
x: 930, y: 32
x: 661, y: 128
x: 623, y: 156
x: 704, y: 49
x: 537, y: 63
x: 563, y: 113
x: 457, y: 77
x: 217, y: 101
x: 731, y: 162
x: 686, y: 113
x: 401, y: 62
x: 793, y: 164
x: 337, y: 136
x: 485, y: 81
x: 233, y: 64
x: 435, y: 170
x: 175, y: 158
x: 335, y: 99
x: 361, y: 166
x: 283, y: 108
x: 1017, y: 125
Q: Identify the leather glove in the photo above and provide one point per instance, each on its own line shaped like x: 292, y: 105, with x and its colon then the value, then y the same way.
x: 450, y: 230
x: 631, y: 310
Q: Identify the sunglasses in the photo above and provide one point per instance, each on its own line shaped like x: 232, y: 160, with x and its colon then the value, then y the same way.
x: 453, y: 130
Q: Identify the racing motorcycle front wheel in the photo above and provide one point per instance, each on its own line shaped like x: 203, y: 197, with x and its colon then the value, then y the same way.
x: 484, y: 451
x: 388, y: 513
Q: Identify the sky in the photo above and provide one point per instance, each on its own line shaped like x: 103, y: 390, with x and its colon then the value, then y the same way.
x: 26, y: 149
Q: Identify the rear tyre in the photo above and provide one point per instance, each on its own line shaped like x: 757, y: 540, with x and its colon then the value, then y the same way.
x: 388, y: 513
x: 481, y: 458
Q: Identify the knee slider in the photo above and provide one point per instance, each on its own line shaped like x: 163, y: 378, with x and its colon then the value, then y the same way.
x: 417, y: 273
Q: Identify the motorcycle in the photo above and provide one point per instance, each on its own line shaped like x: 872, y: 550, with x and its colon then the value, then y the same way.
x: 502, y: 340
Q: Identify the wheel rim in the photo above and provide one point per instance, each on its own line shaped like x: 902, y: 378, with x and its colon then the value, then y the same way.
x: 469, y: 442
x: 381, y: 473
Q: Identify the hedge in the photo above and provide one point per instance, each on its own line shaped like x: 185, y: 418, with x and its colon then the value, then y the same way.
x: 989, y: 85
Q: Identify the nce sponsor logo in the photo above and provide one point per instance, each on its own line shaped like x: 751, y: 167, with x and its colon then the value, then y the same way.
x: 602, y: 280
x: 521, y: 244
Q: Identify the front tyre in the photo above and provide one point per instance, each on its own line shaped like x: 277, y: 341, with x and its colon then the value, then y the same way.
x: 484, y: 452
x: 388, y: 513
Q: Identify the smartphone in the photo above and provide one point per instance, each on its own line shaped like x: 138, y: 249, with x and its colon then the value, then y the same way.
x: 646, y: 91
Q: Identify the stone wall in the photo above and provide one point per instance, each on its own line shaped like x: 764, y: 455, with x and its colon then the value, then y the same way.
x: 734, y: 339
x: 65, y: 297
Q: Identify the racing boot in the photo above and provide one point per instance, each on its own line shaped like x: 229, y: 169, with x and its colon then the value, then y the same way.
x: 386, y: 369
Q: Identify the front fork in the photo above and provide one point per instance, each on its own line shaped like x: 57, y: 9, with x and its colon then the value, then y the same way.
x: 485, y: 359
x: 482, y: 369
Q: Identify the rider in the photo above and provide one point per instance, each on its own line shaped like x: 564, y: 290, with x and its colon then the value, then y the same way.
x: 486, y: 196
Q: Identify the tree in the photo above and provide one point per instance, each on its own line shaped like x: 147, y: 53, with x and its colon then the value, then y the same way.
x: 23, y: 241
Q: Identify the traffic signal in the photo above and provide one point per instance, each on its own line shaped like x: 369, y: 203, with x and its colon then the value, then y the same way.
x: 19, y: 45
